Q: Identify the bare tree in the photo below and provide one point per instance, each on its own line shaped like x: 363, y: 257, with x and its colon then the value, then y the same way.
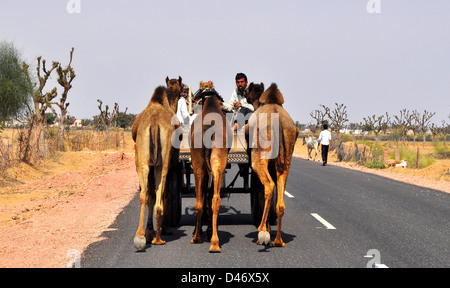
x: 319, y: 116
x: 377, y: 123
x: 65, y: 78
x: 42, y: 99
x: 424, y: 123
x: 386, y: 124
x: 401, y: 122
x: 108, y: 119
x: 338, y: 117
x: 444, y: 129
x: 413, y: 124
x: 435, y: 130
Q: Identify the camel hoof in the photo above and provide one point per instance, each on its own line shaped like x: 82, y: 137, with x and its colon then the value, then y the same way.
x: 158, y: 242
x: 196, y: 240
x: 214, y: 249
x: 149, y: 234
x: 263, y: 238
x: 139, y: 242
x: 278, y: 243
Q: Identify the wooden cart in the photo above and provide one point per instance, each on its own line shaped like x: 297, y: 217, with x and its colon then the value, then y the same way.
x: 180, y: 182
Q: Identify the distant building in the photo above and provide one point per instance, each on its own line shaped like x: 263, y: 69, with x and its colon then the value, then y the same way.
x: 77, y: 124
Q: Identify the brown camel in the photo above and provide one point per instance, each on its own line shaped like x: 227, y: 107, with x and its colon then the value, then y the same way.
x: 211, y: 137
x: 271, y: 135
x: 154, y: 156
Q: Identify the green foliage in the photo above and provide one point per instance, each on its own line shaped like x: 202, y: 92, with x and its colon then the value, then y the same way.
x: 442, y: 150
x: 125, y: 120
x: 15, y: 84
x: 375, y: 163
x: 347, y: 138
x: 377, y: 159
x: 410, y: 156
x: 50, y: 118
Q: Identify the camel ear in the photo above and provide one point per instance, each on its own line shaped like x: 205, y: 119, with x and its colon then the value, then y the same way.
x: 262, y: 86
x: 167, y: 80
x: 250, y: 87
x: 180, y: 81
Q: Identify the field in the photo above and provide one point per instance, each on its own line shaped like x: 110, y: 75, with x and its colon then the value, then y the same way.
x: 67, y: 200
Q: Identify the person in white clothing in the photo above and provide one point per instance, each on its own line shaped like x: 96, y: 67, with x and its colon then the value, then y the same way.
x: 182, y: 110
x: 238, y: 101
x: 325, y: 140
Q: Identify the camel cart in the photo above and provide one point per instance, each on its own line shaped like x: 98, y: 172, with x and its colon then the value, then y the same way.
x: 182, y: 184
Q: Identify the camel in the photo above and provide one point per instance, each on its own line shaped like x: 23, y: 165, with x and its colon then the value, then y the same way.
x: 154, y: 155
x: 283, y: 135
x: 209, y: 160
x: 310, y: 145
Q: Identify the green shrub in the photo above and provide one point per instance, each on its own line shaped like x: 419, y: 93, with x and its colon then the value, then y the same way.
x: 377, y: 160
x: 442, y: 150
x: 375, y: 163
x: 410, y: 156
x: 347, y: 138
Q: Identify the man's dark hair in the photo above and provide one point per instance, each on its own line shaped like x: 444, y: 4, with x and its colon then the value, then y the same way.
x: 240, y: 76
x: 325, y: 126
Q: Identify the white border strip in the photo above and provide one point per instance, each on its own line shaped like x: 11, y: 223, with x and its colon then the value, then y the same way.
x: 288, y: 194
x: 323, y: 221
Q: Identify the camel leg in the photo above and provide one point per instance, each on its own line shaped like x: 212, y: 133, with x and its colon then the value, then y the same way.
x: 160, y: 175
x: 215, y: 248
x: 139, y: 239
x: 260, y: 166
x: 280, y: 208
x: 199, y: 179
x: 150, y: 231
x: 166, y: 221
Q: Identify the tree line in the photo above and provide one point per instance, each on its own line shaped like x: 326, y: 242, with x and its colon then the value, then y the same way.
x: 404, y: 122
x: 25, y: 96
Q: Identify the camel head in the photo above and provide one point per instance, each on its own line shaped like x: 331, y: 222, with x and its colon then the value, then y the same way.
x: 174, y: 84
x: 253, y: 93
x: 174, y: 89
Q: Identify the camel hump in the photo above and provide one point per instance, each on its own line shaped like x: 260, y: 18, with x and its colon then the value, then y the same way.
x: 155, y: 146
x: 159, y: 95
x: 272, y: 96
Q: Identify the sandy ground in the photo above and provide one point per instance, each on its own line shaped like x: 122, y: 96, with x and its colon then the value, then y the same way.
x: 50, y: 213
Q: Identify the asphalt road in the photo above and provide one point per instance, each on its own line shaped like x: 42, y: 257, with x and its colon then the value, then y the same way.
x: 334, y: 218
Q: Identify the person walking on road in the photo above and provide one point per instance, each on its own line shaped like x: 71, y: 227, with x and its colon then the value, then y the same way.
x: 325, y: 140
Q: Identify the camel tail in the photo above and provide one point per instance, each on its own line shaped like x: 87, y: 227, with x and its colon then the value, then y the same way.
x: 208, y: 158
x: 285, y: 150
x: 155, y: 146
x: 282, y: 155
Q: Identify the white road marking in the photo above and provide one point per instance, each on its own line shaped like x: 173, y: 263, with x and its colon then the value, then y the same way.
x: 375, y: 262
x: 288, y: 194
x: 323, y: 221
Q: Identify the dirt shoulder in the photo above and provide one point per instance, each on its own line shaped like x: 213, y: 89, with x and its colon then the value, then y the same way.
x: 54, y: 215
x: 47, y: 213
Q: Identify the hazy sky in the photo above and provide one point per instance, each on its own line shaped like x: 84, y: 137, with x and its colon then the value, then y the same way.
x: 317, y: 51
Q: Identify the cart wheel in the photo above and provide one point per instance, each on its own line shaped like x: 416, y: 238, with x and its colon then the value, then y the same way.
x: 175, y: 187
x: 257, y: 201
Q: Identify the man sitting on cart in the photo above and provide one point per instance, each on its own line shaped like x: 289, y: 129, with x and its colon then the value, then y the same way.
x: 238, y: 103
